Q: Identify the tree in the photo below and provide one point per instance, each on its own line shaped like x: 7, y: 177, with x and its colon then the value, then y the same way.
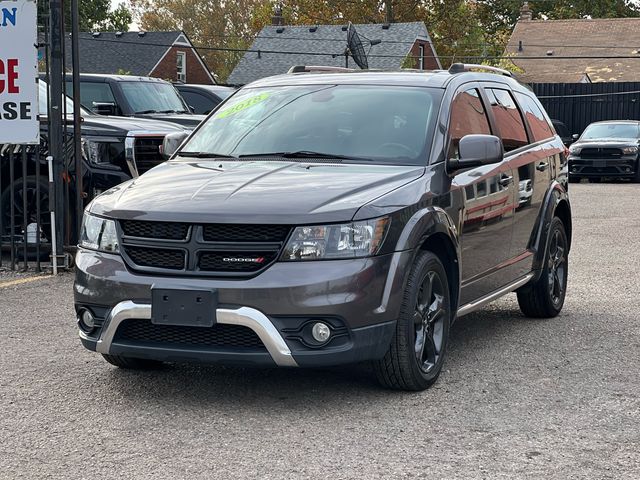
x: 92, y: 15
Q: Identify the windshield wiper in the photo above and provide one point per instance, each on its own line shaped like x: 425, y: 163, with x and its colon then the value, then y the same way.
x: 142, y: 112
x: 173, y: 111
x: 204, y: 155
x: 302, y: 154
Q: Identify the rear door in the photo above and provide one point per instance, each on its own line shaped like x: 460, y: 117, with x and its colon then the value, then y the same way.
x: 542, y: 160
x: 488, y: 193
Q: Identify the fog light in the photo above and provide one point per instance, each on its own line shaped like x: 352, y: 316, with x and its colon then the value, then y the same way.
x: 320, y: 332
x: 87, y: 321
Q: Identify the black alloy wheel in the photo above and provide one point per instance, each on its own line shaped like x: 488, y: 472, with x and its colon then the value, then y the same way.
x: 557, y: 264
x: 416, y: 354
x: 545, y: 297
x: 428, y: 319
x: 28, y: 189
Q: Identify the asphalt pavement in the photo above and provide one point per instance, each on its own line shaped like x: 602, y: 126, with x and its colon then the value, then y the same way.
x: 518, y: 398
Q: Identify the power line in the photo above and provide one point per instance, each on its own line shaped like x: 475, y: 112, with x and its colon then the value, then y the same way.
x: 339, y: 54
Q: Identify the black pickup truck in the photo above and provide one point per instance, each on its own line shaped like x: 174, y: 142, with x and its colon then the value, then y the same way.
x: 115, y: 149
x: 130, y: 96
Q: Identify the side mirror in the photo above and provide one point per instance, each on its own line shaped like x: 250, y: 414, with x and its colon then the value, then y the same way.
x: 171, y: 143
x: 575, y: 136
x: 477, y: 150
x: 104, y: 108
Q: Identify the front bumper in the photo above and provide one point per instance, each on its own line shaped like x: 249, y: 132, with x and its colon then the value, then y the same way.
x: 360, y: 298
x: 618, y: 167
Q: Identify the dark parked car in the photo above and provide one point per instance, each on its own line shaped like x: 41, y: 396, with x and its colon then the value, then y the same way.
x: 129, y: 96
x: 325, y: 218
x: 606, y: 150
x: 203, y: 98
x: 115, y: 149
x: 563, y: 132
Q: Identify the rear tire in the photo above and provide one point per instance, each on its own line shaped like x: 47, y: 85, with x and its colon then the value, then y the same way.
x: 416, y: 354
x: 130, y: 363
x: 545, y: 297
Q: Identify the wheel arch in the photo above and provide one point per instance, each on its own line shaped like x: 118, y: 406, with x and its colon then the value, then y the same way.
x: 432, y: 229
x: 556, y: 203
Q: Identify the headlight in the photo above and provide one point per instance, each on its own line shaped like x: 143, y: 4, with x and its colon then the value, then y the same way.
x: 629, y: 150
x: 99, y: 234
x: 575, y: 150
x: 349, y: 240
x: 101, y: 151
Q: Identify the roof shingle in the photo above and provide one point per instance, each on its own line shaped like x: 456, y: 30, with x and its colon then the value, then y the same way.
x: 324, y: 46
x: 129, y: 51
x: 602, y: 37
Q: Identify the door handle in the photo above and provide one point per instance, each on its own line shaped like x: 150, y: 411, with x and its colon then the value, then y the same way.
x: 505, y: 180
x: 542, y: 166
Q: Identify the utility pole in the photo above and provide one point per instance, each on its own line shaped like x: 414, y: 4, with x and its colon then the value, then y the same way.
x: 56, y: 142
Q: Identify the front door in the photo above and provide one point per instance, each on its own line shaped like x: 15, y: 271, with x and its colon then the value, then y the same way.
x: 489, y: 196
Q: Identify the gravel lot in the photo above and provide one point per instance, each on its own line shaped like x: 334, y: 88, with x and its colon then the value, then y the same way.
x: 519, y: 398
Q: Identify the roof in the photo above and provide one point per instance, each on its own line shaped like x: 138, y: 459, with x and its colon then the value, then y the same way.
x: 134, y: 52
x: 601, y: 37
x: 324, y: 45
x: 406, y: 78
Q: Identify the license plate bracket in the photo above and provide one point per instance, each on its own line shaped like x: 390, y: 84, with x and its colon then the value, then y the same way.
x: 599, y: 163
x: 183, y: 307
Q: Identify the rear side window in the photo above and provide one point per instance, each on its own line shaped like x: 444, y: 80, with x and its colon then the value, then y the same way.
x: 201, y: 104
x: 468, y: 116
x: 540, y: 128
x: 92, y: 93
x: 508, y: 119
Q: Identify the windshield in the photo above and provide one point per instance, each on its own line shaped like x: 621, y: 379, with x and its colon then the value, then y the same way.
x: 611, y: 130
x: 42, y: 102
x: 152, y: 97
x: 378, y: 123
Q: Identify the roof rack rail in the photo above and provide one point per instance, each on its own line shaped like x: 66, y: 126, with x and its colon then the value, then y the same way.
x: 467, y: 67
x: 318, y: 68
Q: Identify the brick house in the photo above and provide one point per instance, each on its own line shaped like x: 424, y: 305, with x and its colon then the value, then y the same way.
x: 167, y: 55
x: 278, y: 47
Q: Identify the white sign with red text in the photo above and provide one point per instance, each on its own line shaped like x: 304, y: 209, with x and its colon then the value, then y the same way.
x: 18, y: 72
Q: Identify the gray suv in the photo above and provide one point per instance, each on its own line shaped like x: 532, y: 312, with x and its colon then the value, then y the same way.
x: 325, y: 218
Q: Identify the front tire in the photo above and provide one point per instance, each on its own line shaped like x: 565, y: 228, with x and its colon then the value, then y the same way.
x: 130, y: 363
x: 545, y: 297
x: 414, y: 359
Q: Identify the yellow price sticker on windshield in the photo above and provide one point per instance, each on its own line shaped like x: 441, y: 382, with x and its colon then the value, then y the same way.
x: 243, y: 105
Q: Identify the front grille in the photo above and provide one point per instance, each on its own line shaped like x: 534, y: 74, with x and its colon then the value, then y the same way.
x: 219, y: 335
x: 147, y: 153
x: 235, y: 261
x: 171, y: 259
x: 233, y: 250
x: 160, y: 230
x: 245, y: 233
x: 601, y: 153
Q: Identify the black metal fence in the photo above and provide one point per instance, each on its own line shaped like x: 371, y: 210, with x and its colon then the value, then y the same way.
x: 36, y: 228
x: 579, y: 104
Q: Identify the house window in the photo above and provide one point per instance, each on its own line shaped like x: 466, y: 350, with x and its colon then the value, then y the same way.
x: 421, y: 59
x: 181, y: 66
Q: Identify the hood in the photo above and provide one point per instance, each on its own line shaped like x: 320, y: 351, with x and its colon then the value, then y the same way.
x: 189, y: 120
x: 119, y: 126
x: 252, y: 191
x: 607, y: 142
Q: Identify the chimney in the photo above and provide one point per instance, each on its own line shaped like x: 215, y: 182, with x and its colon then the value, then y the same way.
x: 525, y: 12
x: 277, y: 19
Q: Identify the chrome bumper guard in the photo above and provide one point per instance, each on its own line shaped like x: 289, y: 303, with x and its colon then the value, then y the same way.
x: 245, y: 316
